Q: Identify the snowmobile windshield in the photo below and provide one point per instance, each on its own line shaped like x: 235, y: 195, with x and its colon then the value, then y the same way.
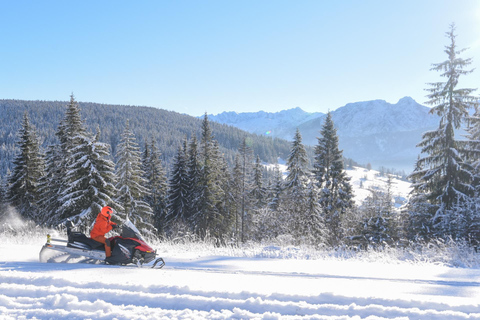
x: 130, y: 231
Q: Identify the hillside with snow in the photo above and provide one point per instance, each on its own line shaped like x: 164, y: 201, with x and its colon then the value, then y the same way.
x: 374, y: 132
x: 364, y: 181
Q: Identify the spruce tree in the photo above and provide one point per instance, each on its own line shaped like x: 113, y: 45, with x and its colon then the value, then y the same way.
x: 276, y: 189
x: 245, y: 153
x: 3, y: 197
x: 50, y: 186
x: 156, y: 184
x: 193, y: 180
x: 236, y: 193
x: 71, y: 132
x: 93, y: 177
x: 336, y: 195
x: 209, y: 218
x: 296, y: 188
x: 178, y: 190
x: 446, y: 176
x: 131, y: 184
x: 28, y: 169
x: 258, y: 192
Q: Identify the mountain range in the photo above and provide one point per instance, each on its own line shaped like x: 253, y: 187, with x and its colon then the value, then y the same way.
x: 371, y: 132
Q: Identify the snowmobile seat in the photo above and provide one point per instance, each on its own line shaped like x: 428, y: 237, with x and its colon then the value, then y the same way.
x: 79, y: 240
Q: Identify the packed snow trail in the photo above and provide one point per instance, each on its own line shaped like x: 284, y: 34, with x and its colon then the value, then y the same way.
x: 218, y: 287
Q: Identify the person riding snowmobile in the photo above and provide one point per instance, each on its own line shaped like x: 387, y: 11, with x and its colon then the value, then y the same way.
x: 102, y: 226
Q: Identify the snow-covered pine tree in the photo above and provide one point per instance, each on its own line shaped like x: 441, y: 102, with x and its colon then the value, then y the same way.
x: 93, y: 180
x: 276, y: 192
x: 178, y: 189
x: 224, y: 205
x: 156, y: 184
x: 193, y: 181
x: 420, y: 211
x: 258, y: 192
x: 50, y: 185
x: 3, y: 196
x: 236, y: 194
x: 245, y: 183
x: 314, y: 231
x: 28, y: 169
x: 296, y: 188
x: 131, y: 184
x: 380, y: 225
x: 473, y: 232
x: 446, y: 175
x: 473, y: 156
x: 208, y: 219
x: 71, y: 131
x: 336, y: 195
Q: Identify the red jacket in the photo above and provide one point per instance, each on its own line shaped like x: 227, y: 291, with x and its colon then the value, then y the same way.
x: 102, y: 224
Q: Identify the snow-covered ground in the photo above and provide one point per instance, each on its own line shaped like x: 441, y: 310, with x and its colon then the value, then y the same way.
x: 202, y: 282
x: 364, y: 180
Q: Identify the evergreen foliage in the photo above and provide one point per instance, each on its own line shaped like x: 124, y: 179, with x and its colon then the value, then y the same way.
x: 167, y: 128
x: 329, y: 174
x: 28, y: 169
x: 443, y: 175
x: 93, y: 177
x: 179, y: 188
x: 156, y: 179
x: 294, y: 205
x: 131, y: 184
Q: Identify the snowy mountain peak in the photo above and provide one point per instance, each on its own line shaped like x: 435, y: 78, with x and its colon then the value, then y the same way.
x: 406, y: 100
x: 375, y: 132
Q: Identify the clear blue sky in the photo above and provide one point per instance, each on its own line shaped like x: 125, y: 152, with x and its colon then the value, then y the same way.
x: 211, y: 56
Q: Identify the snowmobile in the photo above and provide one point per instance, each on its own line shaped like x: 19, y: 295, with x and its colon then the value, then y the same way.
x: 127, y: 248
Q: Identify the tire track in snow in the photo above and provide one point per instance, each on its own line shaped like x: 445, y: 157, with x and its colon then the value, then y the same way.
x: 47, y: 297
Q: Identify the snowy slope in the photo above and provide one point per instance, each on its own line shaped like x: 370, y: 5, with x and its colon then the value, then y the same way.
x: 364, y: 180
x: 199, y: 283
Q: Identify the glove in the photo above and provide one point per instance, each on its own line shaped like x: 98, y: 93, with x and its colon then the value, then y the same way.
x: 114, y: 226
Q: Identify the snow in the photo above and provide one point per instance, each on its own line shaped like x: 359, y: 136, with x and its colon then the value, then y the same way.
x: 364, y: 180
x: 254, y: 282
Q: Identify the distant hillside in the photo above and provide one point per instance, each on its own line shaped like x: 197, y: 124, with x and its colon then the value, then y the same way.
x: 374, y: 132
x: 167, y: 127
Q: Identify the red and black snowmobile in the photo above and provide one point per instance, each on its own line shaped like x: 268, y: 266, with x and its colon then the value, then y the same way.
x: 128, y: 248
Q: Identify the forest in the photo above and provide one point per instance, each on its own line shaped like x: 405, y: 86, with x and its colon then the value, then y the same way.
x: 187, y: 182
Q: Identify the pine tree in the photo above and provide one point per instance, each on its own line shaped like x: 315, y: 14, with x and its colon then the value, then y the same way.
x: 156, y: 184
x: 420, y: 211
x: 296, y: 187
x: 245, y: 153
x: 336, y: 195
x: 209, y: 219
x: 277, y: 189
x: 131, y: 184
x: 236, y: 192
x: 379, y: 225
x: 71, y: 132
x: 93, y: 180
x: 258, y: 192
x: 28, y: 169
x: 473, y: 156
x: 445, y: 175
x: 193, y: 181
x: 50, y: 186
x: 314, y: 230
x: 3, y: 197
x: 178, y: 186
